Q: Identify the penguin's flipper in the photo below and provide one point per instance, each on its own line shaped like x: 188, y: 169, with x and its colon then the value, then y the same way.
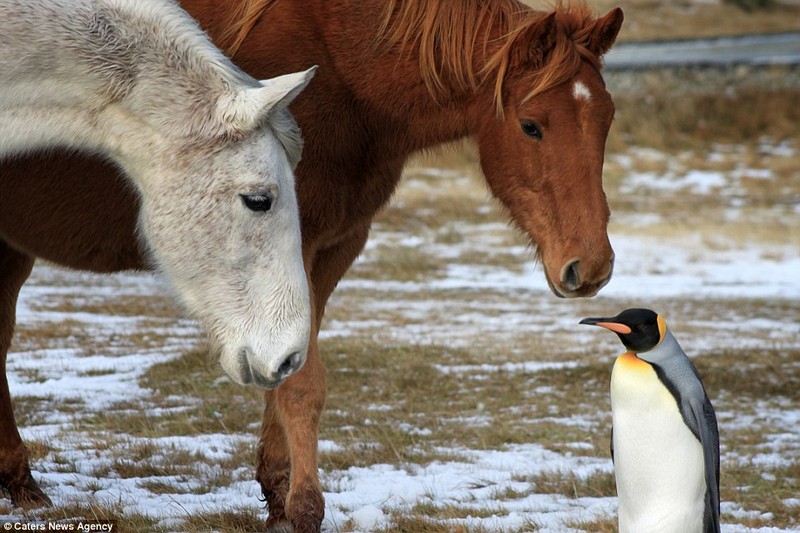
x: 611, y: 445
x: 705, y: 421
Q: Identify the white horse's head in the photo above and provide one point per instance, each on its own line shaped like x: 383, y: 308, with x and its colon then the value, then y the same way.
x: 210, y: 150
x: 219, y: 214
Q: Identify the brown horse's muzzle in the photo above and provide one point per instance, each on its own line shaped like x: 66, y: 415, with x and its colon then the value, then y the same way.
x: 581, y: 278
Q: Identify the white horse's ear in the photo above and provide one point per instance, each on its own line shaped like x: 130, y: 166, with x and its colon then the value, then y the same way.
x: 245, y: 109
x: 283, y: 89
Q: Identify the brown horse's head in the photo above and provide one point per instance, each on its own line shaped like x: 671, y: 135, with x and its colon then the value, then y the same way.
x: 542, y: 149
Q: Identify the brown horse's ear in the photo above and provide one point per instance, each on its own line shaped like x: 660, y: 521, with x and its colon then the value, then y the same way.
x: 605, y: 32
x: 531, y: 47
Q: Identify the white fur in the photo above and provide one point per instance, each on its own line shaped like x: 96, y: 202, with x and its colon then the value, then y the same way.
x: 140, y: 83
x: 581, y: 91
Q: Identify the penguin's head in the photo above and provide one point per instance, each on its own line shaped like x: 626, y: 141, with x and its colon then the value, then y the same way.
x: 640, y: 330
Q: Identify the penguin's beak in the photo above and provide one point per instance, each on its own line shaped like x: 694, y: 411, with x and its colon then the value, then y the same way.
x: 607, y: 323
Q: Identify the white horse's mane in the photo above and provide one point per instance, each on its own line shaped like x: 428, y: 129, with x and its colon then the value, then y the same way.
x: 191, y: 59
x: 149, y: 53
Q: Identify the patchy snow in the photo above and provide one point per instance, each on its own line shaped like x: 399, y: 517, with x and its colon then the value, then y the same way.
x: 486, y: 474
x: 677, y: 267
x: 697, y: 181
x: 526, y: 367
x: 493, y: 302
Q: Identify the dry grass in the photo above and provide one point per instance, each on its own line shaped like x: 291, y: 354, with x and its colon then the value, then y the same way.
x: 94, y: 512
x: 608, y: 525
x: 417, y: 524
x: 404, y: 393
x: 763, y: 490
x: 674, y: 120
x: 419, y: 377
x: 567, y: 483
x: 667, y: 19
x: 392, y: 400
x: 241, y: 520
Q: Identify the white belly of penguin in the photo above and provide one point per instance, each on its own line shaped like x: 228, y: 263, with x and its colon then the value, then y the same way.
x: 658, y: 462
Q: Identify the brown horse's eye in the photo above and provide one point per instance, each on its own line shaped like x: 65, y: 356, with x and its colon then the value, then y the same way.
x: 261, y: 202
x: 531, y: 129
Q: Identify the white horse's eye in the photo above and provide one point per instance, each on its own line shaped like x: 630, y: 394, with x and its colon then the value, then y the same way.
x: 259, y: 202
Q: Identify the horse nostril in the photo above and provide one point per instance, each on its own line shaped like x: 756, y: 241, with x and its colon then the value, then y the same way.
x: 288, y: 365
x: 570, y: 277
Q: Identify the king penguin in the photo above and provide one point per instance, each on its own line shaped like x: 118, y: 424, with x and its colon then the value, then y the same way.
x: 664, y: 435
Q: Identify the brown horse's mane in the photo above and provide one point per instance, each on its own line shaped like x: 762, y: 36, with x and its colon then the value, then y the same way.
x: 241, y: 18
x: 448, y: 33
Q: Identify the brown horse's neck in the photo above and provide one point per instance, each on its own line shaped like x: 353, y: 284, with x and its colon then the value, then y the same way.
x: 373, y: 79
x: 386, y: 79
x: 367, y: 109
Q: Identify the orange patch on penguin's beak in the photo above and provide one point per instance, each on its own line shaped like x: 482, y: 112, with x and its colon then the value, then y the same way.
x: 616, y: 327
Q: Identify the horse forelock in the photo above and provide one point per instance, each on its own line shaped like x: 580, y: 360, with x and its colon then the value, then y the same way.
x: 449, y: 34
x: 573, y: 30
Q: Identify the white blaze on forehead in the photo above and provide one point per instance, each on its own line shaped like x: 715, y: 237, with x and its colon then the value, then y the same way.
x: 579, y: 90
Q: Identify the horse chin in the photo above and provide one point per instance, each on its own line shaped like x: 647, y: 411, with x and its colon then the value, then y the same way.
x: 586, y: 291
x: 558, y: 292
x: 573, y: 283
x: 238, y: 368
x: 255, y: 380
x: 555, y: 290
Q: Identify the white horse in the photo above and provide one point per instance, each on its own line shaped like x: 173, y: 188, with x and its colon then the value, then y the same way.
x: 210, y: 150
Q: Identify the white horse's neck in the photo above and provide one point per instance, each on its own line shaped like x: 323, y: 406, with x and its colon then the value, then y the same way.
x: 107, y: 75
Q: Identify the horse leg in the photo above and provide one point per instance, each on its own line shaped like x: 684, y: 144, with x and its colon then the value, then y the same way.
x: 290, y: 424
x: 273, y: 468
x: 288, y: 449
x: 300, y: 405
x: 15, y: 473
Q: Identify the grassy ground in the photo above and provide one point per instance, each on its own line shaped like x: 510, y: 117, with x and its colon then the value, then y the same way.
x: 422, y: 374
x: 660, y: 113
x: 424, y: 371
x: 667, y: 19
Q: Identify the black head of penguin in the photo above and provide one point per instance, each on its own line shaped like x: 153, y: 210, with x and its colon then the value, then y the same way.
x: 637, y: 328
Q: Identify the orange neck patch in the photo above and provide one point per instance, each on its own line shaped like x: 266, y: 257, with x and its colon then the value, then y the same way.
x: 629, y: 360
x: 662, y: 328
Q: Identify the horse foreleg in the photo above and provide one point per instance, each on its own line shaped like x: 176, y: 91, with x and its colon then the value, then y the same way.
x: 15, y: 473
x: 287, y: 453
x: 287, y: 468
x: 272, y: 471
x: 300, y: 402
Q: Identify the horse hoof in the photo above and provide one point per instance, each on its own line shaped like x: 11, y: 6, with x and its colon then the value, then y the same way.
x: 29, y: 496
x: 278, y: 524
x: 274, y: 487
x: 279, y: 527
x: 305, y: 510
x: 307, y: 524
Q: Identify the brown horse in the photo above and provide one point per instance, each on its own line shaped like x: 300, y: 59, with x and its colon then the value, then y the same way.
x: 394, y: 77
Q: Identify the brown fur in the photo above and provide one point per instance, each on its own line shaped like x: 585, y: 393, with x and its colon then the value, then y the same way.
x: 455, y: 40
x: 367, y: 109
x: 239, y: 20
x: 450, y: 35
